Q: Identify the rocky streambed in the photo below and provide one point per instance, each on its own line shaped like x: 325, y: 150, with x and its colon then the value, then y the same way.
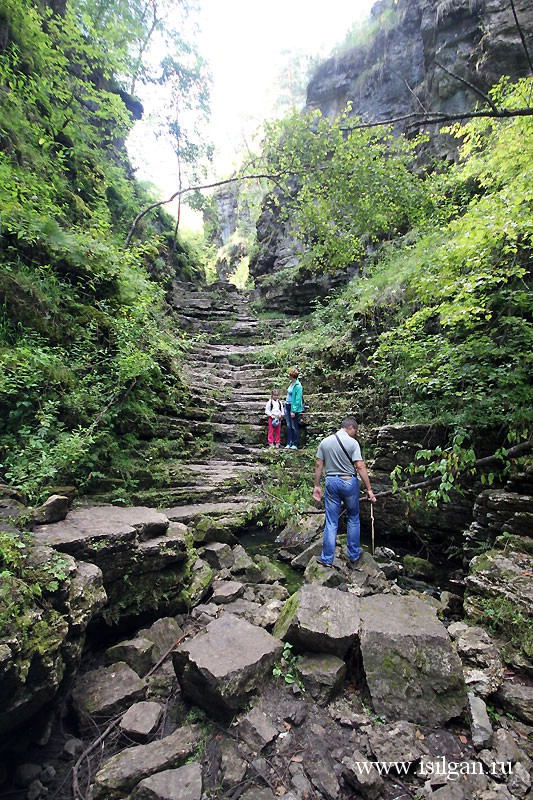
x: 351, y: 687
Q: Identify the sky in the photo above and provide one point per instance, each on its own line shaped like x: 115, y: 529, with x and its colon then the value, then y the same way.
x: 245, y: 43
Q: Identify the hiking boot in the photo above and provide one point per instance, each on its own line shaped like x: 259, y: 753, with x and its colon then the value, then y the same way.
x: 355, y: 563
x: 324, y: 563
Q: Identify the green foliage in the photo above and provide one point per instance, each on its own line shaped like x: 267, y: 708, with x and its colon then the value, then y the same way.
x: 27, y: 587
x: 437, y: 328
x: 287, y: 667
x: 87, y: 357
x: 461, y: 348
x: 442, y: 464
x: 502, y: 616
x: 288, y: 488
x: 342, y: 188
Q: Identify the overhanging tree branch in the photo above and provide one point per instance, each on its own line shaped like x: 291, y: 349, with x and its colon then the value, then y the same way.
x: 420, y: 117
x: 471, y: 86
x: 181, y: 192
x: 436, y: 117
x: 513, y: 452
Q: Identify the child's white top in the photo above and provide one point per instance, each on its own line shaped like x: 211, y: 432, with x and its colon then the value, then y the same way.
x: 277, y: 409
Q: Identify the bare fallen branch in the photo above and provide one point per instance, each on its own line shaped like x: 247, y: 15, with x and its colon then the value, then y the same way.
x: 199, y: 188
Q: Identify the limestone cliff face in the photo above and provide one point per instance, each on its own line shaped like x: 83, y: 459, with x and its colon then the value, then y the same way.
x: 402, y: 68
x: 392, y: 74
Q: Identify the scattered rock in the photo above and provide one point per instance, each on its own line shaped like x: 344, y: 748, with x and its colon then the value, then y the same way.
x: 319, y: 620
x: 104, y: 692
x: 201, y: 580
x: 207, y: 529
x: 299, y: 533
x: 270, y: 572
x: 517, y: 699
x: 480, y: 724
x: 164, y: 633
x: 360, y: 773
x: 52, y: 510
x: 323, y: 777
x: 142, y: 719
x: 233, y: 767
x: 220, y: 668
x: 323, y: 675
x: 416, y: 567
x: 183, y: 783
x: 226, y: 591
x: 257, y: 730
x: 136, y: 653
x: 218, y: 555
x: 483, y: 669
x: 122, y: 772
x: 397, y: 741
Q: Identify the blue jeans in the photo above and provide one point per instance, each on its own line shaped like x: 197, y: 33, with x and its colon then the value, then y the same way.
x: 293, y: 426
x: 339, y: 491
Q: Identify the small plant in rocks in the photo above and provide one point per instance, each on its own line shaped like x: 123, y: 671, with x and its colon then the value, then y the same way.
x: 287, y: 667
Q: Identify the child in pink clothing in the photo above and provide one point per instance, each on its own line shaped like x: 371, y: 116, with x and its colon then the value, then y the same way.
x: 274, y: 411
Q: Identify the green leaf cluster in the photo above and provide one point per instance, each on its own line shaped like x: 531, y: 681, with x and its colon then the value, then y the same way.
x: 341, y: 190
x: 287, y: 668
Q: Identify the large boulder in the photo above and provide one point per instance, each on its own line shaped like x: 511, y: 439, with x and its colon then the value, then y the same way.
x: 410, y: 667
x: 221, y: 667
x: 320, y: 620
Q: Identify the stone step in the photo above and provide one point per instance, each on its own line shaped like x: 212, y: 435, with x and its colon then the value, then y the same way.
x: 193, y: 495
x: 187, y: 513
x: 216, y: 471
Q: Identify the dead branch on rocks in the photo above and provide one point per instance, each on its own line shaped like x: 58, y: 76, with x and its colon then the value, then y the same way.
x: 99, y: 741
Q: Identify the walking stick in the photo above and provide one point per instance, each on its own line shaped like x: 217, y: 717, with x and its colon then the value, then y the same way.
x: 372, y: 519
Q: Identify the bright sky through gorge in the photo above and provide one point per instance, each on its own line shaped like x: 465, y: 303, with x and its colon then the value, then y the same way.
x: 247, y: 44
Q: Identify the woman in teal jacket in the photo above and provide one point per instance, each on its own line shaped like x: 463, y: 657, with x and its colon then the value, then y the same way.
x: 294, y: 406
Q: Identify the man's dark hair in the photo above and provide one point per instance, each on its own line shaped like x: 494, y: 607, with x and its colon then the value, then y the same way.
x: 349, y: 422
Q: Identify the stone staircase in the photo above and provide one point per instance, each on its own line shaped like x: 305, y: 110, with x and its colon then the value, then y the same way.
x: 223, y: 427
x: 228, y: 389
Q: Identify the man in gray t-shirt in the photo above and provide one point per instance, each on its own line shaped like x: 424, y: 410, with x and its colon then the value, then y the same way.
x: 339, y: 456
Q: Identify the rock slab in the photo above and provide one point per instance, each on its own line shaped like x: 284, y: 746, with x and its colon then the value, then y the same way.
x: 121, y: 774
x: 221, y: 667
x: 320, y: 620
x: 411, y: 670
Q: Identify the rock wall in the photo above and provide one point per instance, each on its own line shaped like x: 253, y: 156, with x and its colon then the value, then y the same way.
x: 402, y: 68
x: 393, y: 73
